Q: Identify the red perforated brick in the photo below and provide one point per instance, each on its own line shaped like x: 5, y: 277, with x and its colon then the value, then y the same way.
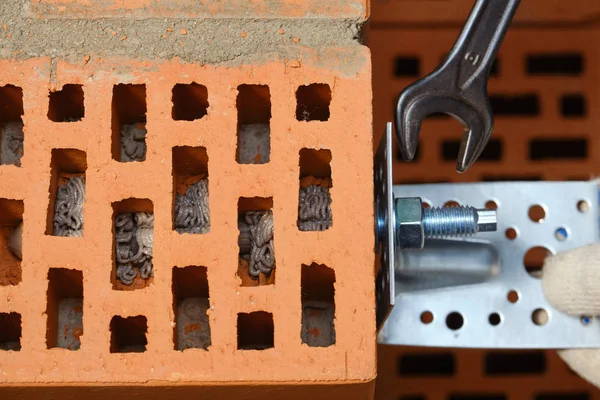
x: 144, y: 318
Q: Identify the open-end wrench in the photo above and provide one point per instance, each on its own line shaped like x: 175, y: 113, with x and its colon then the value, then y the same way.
x: 458, y: 87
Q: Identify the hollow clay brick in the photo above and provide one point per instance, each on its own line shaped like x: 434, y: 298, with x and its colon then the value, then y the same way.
x: 201, y: 9
x: 347, y: 247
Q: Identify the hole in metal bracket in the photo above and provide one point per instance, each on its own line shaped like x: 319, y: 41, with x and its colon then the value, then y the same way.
x: 455, y: 321
x: 537, y: 213
x: 534, y: 260
x: 513, y: 296
x: 511, y: 233
x: 561, y: 234
x: 495, y: 319
x: 540, y: 317
x: 427, y: 317
x: 491, y: 205
x: 583, y: 206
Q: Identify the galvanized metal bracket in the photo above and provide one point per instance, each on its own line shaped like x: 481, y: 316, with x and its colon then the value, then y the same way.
x: 477, y: 293
x: 384, y: 228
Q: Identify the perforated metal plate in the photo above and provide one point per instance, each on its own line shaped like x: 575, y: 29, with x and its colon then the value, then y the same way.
x: 473, y: 277
x: 384, y: 227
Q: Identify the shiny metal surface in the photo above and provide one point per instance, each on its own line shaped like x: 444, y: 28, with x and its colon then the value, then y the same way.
x: 469, y: 285
x: 458, y: 87
x: 409, y: 229
x: 384, y: 227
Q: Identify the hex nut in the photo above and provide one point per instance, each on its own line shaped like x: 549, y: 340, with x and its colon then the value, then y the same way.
x: 409, y: 223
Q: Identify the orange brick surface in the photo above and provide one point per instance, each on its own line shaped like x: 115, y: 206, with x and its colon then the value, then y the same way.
x: 201, y: 8
x: 346, y: 247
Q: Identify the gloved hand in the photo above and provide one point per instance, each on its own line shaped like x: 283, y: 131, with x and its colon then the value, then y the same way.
x: 571, y: 283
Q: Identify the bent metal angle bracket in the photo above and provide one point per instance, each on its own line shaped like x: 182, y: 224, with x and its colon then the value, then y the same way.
x: 477, y: 292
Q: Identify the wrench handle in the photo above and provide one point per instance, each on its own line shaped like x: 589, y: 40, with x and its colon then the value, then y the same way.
x: 476, y: 47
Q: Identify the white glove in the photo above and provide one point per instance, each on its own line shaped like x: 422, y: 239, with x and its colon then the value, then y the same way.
x: 571, y: 283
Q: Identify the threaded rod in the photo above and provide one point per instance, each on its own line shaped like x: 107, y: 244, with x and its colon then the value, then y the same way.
x: 450, y: 222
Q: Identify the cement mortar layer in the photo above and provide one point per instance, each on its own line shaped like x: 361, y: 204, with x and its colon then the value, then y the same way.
x: 200, y: 8
x: 228, y: 41
x: 347, y: 247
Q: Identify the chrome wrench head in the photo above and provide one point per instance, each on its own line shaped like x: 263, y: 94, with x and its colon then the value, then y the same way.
x: 414, y: 105
x: 458, y: 87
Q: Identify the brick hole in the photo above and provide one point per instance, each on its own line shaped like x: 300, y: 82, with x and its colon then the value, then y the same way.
x: 10, y: 331
x: 190, y: 304
x: 67, y: 191
x: 11, y: 125
x: 128, y: 335
x: 11, y: 218
x: 492, y: 151
x: 190, y: 102
x: 254, y: 124
x: 191, y: 213
x: 507, y: 178
x: 573, y: 105
x: 426, y: 364
x: 312, y: 102
x: 476, y: 396
x: 66, y: 105
x: 558, y: 149
x: 318, y: 305
x: 555, y: 64
x: 129, y: 123
x: 314, y: 203
x: 563, y: 396
x: 64, y: 309
x: 253, y: 272
x: 133, y: 206
x: 515, y: 363
x: 534, y: 261
x: 525, y: 105
x: 407, y: 66
x: 255, y: 331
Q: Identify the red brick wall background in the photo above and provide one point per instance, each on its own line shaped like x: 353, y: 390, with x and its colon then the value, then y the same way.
x: 545, y: 94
